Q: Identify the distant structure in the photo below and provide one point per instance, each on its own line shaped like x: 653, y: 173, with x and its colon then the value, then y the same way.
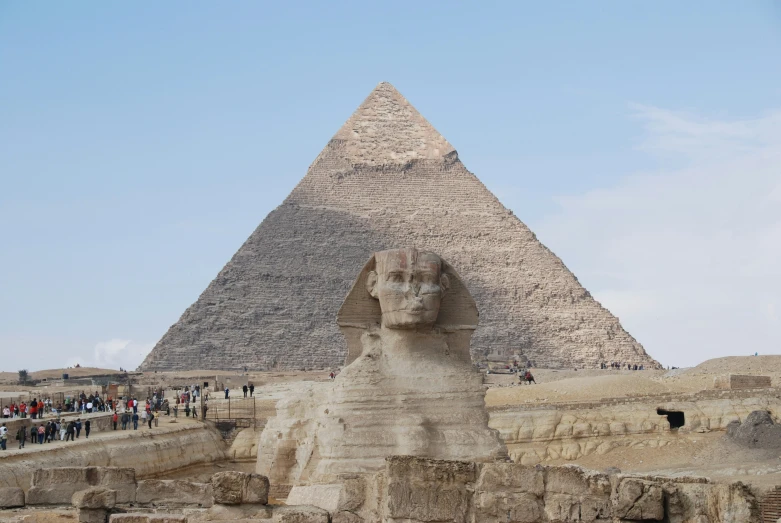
x: 388, y: 179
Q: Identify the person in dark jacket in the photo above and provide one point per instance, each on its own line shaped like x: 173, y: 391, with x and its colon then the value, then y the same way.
x: 78, y: 427
x: 70, y: 431
x: 149, y: 419
x: 251, y: 389
x: 86, y: 428
x: 21, y: 435
x: 125, y: 420
x: 135, y: 421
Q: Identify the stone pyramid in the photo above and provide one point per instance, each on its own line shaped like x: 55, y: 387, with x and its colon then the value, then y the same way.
x: 388, y: 179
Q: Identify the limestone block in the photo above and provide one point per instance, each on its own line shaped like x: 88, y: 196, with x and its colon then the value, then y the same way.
x: 509, y: 492
x: 233, y: 488
x: 93, y: 515
x: 141, y: 517
x: 574, y: 494
x: 638, y: 499
x: 237, y: 512
x: 429, y: 490
x: 171, y: 492
x: 300, y: 514
x: 56, y: 486
x: 95, y: 498
x: 11, y: 497
x: 325, y: 497
x: 48, y: 516
x: 344, y: 516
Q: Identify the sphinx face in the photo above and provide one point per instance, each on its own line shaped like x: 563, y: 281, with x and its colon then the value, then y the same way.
x: 409, y: 285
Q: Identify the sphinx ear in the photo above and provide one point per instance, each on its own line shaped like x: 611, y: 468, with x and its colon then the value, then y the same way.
x: 444, y: 283
x: 371, y: 284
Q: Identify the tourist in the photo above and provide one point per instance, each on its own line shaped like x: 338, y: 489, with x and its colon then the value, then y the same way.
x: 41, y: 434
x: 156, y: 417
x: 187, y: 409
x: 529, y: 378
x: 33, y: 434
x: 251, y: 389
x: 227, y: 392
x: 144, y: 415
x: 6, y: 412
x: 176, y: 410
x: 135, y: 406
x: 114, y: 420
x: 135, y: 420
x: 33, y: 408
x: 245, y: 389
x: 89, y: 407
x: 125, y: 420
x: 63, y: 429
x: 86, y: 429
x: 195, y: 411
x: 150, y: 418
x: 21, y: 436
x: 3, y: 436
x: 70, y: 431
x: 332, y: 375
x: 77, y: 426
x: 205, y: 410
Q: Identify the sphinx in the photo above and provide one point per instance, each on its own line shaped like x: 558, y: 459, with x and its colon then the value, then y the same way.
x: 408, y: 387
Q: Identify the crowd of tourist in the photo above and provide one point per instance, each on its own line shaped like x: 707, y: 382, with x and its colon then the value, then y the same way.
x: 38, y: 409
x: 618, y: 365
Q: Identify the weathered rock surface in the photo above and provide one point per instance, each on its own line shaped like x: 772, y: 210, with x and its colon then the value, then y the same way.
x: 56, y: 486
x: 11, y: 497
x: 92, y: 515
x: 387, y: 179
x: 172, y: 492
x: 537, y: 433
x: 413, y: 490
x: 140, y: 517
x: 300, y: 514
x: 93, y: 498
x: 233, y: 488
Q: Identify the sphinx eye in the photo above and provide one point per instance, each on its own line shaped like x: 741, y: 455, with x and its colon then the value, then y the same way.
x: 395, y: 277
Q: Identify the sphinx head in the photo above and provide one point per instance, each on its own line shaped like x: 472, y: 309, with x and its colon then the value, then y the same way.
x: 409, y: 285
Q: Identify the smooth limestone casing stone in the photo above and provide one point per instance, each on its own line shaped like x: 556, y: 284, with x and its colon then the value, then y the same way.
x: 174, y: 492
x: 11, y: 497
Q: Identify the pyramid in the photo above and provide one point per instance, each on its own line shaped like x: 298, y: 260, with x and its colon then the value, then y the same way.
x: 388, y: 179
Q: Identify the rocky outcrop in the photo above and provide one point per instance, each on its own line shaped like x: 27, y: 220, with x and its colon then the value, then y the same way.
x: 537, y: 433
x: 757, y: 431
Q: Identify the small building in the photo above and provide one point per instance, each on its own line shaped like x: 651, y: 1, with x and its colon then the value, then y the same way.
x: 741, y: 381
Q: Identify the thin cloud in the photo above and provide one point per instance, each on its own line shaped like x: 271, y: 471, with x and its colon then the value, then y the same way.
x: 689, y: 258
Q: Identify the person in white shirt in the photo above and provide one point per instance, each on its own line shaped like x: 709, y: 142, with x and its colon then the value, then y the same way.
x: 6, y: 412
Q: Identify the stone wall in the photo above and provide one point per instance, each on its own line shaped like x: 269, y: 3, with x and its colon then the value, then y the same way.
x: 388, y: 180
x: 739, y: 381
x: 150, y: 454
x: 415, y: 490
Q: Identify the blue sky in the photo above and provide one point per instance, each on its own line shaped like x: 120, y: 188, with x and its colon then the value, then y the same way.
x: 140, y: 144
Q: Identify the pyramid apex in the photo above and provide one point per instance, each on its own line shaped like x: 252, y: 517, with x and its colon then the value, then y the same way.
x: 387, y: 129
